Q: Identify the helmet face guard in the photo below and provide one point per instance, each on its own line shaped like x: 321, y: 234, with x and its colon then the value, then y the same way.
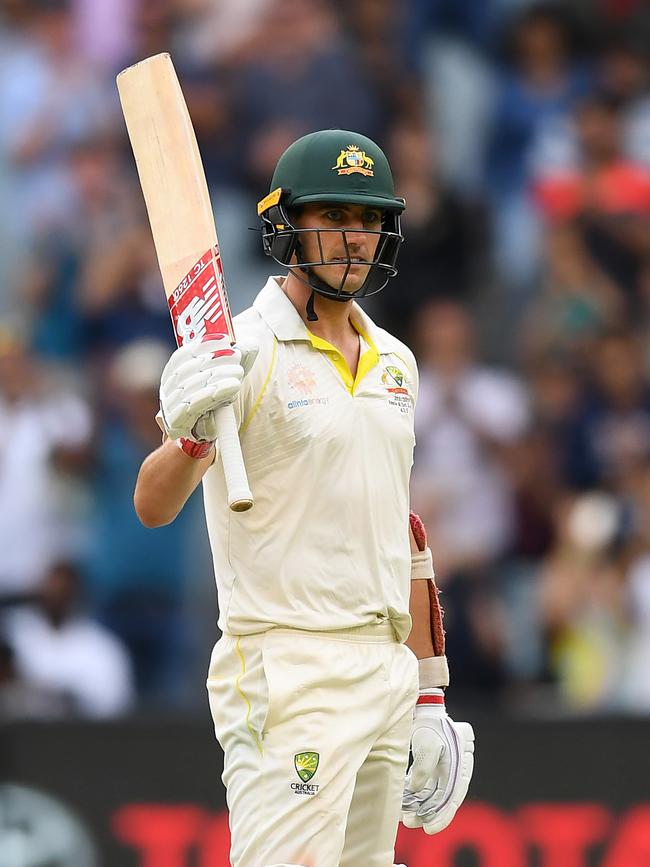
x: 282, y: 241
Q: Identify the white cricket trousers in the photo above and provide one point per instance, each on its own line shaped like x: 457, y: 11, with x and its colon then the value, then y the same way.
x: 315, y: 729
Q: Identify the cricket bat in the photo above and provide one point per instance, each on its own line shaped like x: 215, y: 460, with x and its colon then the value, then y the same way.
x: 182, y: 223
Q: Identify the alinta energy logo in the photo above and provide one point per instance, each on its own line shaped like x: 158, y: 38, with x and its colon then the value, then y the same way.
x: 306, y: 765
x: 303, y: 380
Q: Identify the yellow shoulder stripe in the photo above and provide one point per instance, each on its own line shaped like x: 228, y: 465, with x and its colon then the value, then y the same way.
x: 254, y: 409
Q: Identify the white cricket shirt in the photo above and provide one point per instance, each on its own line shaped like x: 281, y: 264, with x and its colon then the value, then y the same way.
x: 328, y: 458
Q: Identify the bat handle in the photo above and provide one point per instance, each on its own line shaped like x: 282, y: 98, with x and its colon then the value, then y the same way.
x: 240, y: 498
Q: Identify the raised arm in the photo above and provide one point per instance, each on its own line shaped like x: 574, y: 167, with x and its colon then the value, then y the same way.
x: 199, y: 377
x: 166, y: 479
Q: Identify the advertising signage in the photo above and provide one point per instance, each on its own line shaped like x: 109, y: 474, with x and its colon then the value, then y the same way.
x: 149, y: 794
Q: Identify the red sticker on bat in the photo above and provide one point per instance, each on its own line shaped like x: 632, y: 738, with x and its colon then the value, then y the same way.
x: 199, y: 304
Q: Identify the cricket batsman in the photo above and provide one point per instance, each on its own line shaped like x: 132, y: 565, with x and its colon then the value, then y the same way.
x: 331, y: 667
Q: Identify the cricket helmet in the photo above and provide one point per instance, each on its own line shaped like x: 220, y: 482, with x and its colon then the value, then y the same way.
x: 332, y: 165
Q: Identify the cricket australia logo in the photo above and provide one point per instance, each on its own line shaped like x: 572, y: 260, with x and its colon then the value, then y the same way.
x: 353, y: 160
x: 396, y: 382
x: 306, y: 765
x: 393, y: 376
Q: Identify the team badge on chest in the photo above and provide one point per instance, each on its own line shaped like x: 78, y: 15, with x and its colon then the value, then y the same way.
x: 396, y: 383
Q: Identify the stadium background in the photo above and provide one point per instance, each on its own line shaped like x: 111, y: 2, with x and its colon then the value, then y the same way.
x: 519, y: 133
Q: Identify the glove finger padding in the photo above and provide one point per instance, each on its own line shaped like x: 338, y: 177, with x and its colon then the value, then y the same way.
x: 199, y: 377
x: 428, y: 749
x: 198, y: 354
x: 184, y: 416
x: 433, y: 806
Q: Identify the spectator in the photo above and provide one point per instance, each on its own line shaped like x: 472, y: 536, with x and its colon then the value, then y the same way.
x: 576, y: 300
x: 560, y: 197
x: 468, y: 415
x: 436, y: 260
x: 636, y: 560
x: 582, y: 603
x: 63, y: 650
x: 49, y: 98
x: 138, y: 578
x: 541, y: 84
x: 608, y: 193
x: 46, y: 431
x: 220, y: 33
x: 625, y: 76
x: 82, y: 267
x: 314, y: 76
x: 104, y: 31
x: 608, y: 439
x: 637, y: 677
x: 24, y: 699
x: 122, y: 298
x: 378, y: 30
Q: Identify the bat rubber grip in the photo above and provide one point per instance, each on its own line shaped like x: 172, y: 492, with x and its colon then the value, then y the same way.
x: 240, y: 498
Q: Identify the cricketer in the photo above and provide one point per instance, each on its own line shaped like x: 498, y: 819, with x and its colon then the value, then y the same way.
x: 331, y: 667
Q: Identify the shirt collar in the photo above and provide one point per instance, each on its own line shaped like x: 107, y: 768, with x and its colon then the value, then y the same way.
x: 285, y: 322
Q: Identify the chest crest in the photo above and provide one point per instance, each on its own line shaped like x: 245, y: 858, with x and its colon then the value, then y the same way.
x: 397, y: 385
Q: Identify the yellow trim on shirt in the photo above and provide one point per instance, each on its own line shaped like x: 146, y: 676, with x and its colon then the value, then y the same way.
x: 243, y: 695
x: 366, y: 363
x: 255, y: 406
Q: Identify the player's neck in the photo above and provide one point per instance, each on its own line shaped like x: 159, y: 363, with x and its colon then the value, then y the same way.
x: 333, y: 323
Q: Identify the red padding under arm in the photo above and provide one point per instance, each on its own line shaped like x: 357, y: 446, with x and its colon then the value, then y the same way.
x: 437, y: 629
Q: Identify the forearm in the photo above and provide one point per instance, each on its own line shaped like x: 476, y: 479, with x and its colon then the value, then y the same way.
x: 166, y: 479
x: 427, y: 638
x: 420, y: 640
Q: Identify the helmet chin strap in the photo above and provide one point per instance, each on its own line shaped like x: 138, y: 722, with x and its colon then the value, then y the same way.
x: 317, y: 284
x: 311, y: 313
x: 314, y: 281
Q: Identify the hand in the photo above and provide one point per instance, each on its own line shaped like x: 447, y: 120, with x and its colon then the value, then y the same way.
x: 201, y: 376
x: 443, y: 761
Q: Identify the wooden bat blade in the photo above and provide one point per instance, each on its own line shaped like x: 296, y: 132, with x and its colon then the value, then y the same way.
x: 176, y: 195
x: 182, y: 223
x: 169, y: 166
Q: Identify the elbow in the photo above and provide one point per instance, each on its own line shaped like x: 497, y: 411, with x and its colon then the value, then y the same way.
x: 150, y: 516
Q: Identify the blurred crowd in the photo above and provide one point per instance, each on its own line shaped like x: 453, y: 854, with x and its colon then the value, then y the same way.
x: 519, y: 133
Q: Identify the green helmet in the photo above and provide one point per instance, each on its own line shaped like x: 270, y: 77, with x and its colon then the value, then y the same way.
x: 332, y: 165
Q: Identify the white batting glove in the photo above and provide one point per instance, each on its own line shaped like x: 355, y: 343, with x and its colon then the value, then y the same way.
x: 443, y: 762
x: 199, y: 377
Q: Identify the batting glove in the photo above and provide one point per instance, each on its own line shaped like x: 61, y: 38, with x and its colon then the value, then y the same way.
x: 443, y: 762
x: 199, y: 377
